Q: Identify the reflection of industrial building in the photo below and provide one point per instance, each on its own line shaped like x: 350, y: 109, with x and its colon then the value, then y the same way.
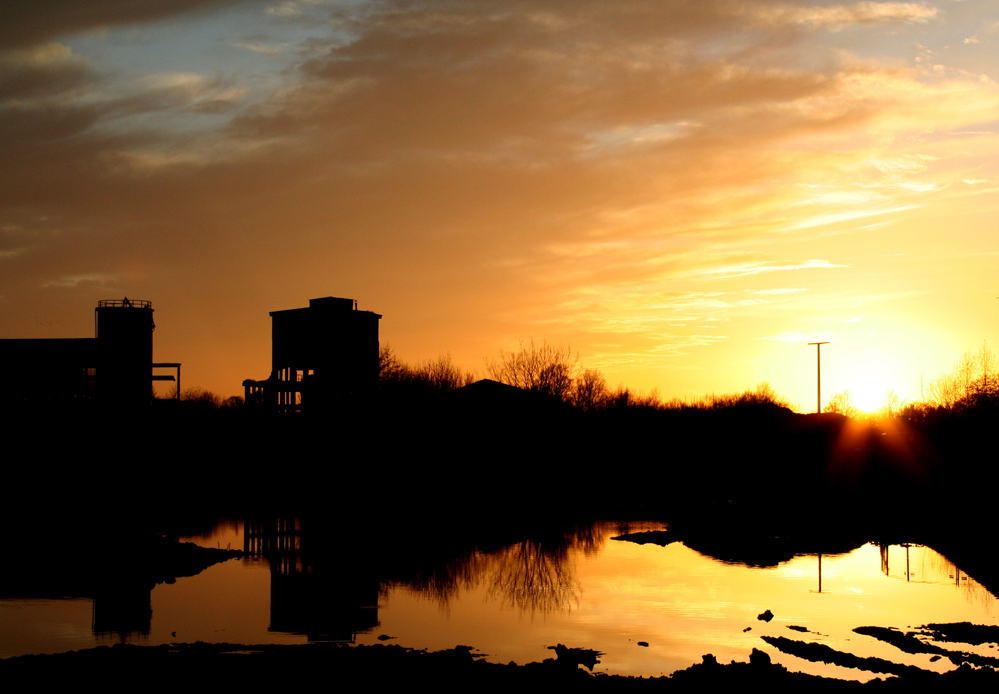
x: 326, y: 595
x: 124, y: 611
x: 114, y: 367
x: 323, y: 357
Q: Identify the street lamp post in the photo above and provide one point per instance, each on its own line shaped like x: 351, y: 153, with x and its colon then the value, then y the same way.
x: 818, y: 365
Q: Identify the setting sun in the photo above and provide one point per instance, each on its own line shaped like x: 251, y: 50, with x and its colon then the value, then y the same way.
x: 871, y: 372
x: 868, y: 390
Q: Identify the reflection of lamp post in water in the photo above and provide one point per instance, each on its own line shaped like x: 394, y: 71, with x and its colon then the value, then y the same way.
x: 820, y: 576
x: 818, y: 365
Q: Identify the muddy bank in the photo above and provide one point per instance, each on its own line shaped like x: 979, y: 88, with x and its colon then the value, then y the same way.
x: 393, y: 666
x: 82, y: 562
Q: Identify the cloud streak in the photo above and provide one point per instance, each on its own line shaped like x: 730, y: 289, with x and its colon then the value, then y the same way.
x: 747, y: 269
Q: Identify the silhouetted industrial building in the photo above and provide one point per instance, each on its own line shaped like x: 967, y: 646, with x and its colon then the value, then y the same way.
x: 323, y: 358
x: 113, y: 368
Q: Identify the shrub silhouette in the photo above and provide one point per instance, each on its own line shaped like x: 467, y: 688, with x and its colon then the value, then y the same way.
x: 399, y: 381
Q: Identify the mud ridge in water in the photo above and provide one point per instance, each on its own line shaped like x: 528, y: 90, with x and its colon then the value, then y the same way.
x: 962, y: 632
x: 908, y: 643
x: 820, y: 653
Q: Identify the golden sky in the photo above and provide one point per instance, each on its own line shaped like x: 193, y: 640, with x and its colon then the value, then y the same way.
x: 686, y: 193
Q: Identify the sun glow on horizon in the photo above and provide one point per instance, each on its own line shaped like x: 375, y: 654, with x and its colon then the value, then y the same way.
x: 863, y: 372
x: 868, y: 389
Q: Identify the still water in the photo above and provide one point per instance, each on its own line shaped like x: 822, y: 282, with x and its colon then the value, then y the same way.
x: 515, y: 601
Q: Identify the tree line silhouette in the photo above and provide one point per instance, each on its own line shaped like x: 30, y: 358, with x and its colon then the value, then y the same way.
x: 551, y: 372
x: 971, y: 386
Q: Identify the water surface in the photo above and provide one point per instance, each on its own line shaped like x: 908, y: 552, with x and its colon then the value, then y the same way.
x: 513, y: 602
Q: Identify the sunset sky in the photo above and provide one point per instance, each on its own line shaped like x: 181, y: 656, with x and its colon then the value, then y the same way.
x: 685, y: 193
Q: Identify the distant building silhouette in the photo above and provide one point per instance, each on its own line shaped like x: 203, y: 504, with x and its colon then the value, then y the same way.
x: 323, y: 358
x: 113, y: 368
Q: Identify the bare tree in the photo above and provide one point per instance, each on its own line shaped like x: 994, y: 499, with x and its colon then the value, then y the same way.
x: 840, y: 404
x: 974, y: 377
x: 985, y: 360
x: 589, y: 391
x: 390, y: 368
x: 945, y: 391
x: 543, y: 368
x: 438, y: 375
x: 964, y: 373
x: 442, y: 375
x: 893, y: 404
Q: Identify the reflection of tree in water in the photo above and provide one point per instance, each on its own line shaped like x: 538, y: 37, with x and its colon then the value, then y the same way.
x: 589, y: 537
x: 534, y: 577
x: 975, y: 592
x: 537, y: 576
x: 444, y: 579
x: 534, y: 574
x: 936, y: 568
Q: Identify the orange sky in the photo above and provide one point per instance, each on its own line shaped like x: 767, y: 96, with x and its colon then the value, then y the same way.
x: 684, y: 192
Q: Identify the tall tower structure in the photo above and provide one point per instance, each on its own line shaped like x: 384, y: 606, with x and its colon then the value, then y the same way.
x: 125, y: 351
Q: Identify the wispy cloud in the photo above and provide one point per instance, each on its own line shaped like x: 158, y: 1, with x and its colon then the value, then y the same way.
x: 839, y: 16
x: 846, y: 216
x: 76, y: 280
x: 746, y: 269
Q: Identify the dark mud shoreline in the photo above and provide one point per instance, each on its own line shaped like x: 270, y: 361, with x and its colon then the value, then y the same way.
x: 380, y: 666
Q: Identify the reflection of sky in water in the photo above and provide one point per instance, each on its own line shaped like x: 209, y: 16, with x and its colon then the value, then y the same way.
x: 683, y: 604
